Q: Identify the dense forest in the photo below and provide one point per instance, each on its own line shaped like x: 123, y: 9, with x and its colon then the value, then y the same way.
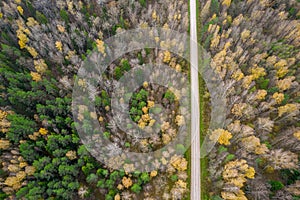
x: 254, y: 49
x: 43, y: 44
x: 254, y: 46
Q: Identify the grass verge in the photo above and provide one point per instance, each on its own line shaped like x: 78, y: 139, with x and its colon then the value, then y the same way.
x: 203, y: 111
x: 203, y: 128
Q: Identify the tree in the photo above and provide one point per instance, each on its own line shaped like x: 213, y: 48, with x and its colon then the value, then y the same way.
x: 82, y: 151
x: 127, y: 182
x: 114, y: 175
x: 106, y: 134
x: 83, y: 192
x: 170, y: 96
x: 222, y: 136
x: 92, y: 178
x: 215, y: 6
x: 47, y: 173
x: 87, y: 168
x: 109, y: 184
x: 101, y: 183
x: 280, y: 159
x: 174, y: 177
x: 20, y: 127
x: 22, y: 192
x: 27, y: 150
x: 291, y: 109
x: 102, y: 172
x: 259, y: 189
x: 264, y: 125
x: 141, y: 105
x: 275, y: 185
x: 136, y: 188
x: 68, y: 170
x: 235, y: 174
x: 41, y: 18
x: 143, y: 3
x: 118, y: 73
x: 125, y: 65
x: 64, y: 15
x: 145, y: 177
x: 252, y: 144
x: 73, y: 185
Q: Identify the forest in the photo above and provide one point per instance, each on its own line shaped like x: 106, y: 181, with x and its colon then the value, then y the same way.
x: 43, y: 45
x: 254, y: 49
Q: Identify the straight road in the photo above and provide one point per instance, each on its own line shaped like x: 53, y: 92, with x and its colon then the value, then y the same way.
x: 195, y: 112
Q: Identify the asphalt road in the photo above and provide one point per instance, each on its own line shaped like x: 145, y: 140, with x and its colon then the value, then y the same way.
x: 195, y: 114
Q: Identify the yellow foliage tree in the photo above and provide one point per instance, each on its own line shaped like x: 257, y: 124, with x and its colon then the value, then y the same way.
x: 31, y: 22
x: 286, y: 83
x: 226, y: 2
x: 271, y: 60
x: 154, y: 15
x: 22, y: 38
x: 179, y: 120
x: 14, y: 182
x: 252, y: 144
x: 179, y: 163
x: 247, y: 80
x: 257, y: 72
x: 43, y: 131
x: 21, y: 175
x: 127, y: 182
x: 59, y: 45
x: 60, y: 28
x: 32, y: 51
x: 4, y: 144
x: 281, y: 67
x: 297, y: 134
x: 117, y: 197
x: 239, y: 195
x: 237, y: 75
x: 100, y: 46
x: 150, y: 104
x: 71, y: 155
x: 35, y: 76
x: 167, y: 57
x: 20, y: 9
x: 153, y: 173
x: 13, y: 168
x: 245, y: 34
x: 236, y: 173
x: 23, y: 164
x: 180, y: 183
x: 4, y: 123
x: 166, y: 138
x: 40, y: 66
x: 250, y: 172
x: 29, y: 170
x: 221, y: 135
x: 261, y: 94
x: 279, y: 97
x: 288, y: 108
